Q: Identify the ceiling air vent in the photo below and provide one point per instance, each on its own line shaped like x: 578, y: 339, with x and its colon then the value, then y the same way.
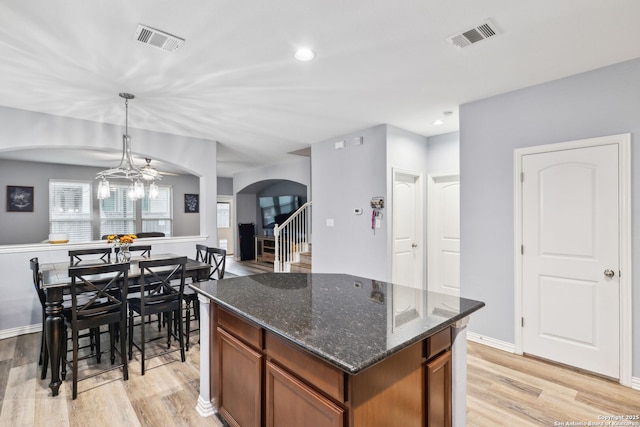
x: 483, y: 31
x: 157, y: 38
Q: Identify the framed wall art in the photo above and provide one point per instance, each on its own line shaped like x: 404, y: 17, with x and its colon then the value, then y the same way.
x: 191, y: 203
x: 19, y: 199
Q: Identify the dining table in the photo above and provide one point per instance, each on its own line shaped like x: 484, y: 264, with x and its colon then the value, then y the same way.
x: 56, y: 283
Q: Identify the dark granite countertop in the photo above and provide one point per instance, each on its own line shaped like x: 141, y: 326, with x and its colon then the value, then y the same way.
x: 351, y: 322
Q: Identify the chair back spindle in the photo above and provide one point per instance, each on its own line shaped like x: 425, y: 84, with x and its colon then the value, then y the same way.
x: 76, y: 256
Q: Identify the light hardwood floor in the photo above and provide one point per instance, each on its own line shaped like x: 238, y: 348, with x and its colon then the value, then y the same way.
x: 503, y: 390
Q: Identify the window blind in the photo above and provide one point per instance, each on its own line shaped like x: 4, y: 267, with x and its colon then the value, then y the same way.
x: 118, y: 212
x: 157, y: 214
x: 70, y: 209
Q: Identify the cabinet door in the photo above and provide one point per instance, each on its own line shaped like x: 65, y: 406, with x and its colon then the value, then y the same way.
x: 291, y: 403
x: 438, y: 380
x: 240, y: 378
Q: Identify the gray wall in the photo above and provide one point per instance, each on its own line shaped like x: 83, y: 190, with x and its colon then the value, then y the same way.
x: 33, y: 227
x: 444, y: 153
x: 348, y: 178
x: 225, y: 186
x: 596, y: 103
x: 343, y: 180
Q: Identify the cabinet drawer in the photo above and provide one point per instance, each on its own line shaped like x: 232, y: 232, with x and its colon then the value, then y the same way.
x: 325, y: 377
x: 438, y: 342
x: 249, y: 333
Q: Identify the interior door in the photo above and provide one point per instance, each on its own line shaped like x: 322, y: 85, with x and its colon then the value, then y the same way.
x: 407, y: 264
x: 444, y: 234
x: 570, y: 260
x: 226, y: 219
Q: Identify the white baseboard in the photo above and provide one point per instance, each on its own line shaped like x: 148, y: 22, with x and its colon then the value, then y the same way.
x: 22, y: 330
x: 491, y: 342
x: 635, y: 383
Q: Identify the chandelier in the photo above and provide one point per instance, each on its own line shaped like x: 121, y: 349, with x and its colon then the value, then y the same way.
x: 127, y: 170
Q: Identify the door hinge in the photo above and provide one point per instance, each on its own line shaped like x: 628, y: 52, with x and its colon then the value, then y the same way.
x: 521, y: 176
x: 522, y: 322
x: 521, y: 249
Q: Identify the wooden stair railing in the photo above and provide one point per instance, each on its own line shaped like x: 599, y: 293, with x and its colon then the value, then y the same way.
x: 292, y: 237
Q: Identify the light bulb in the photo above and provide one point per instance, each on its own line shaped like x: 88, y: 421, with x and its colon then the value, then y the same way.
x: 139, y: 189
x: 153, y: 191
x: 103, y: 190
x: 304, y: 54
x: 131, y: 192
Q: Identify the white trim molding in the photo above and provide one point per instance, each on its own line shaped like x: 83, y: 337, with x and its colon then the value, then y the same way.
x: 21, y: 330
x: 490, y: 342
x: 623, y: 141
x: 635, y: 383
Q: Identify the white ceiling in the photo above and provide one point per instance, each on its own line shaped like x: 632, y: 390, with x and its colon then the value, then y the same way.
x: 235, y: 81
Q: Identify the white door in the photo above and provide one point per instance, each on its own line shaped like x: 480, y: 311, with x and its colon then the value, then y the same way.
x: 407, y: 262
x: 570, y: 261
x: 443, y: 233
x: 225, y: 217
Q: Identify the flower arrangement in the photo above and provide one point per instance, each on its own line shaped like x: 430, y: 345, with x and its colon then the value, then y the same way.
x: 124, y: 240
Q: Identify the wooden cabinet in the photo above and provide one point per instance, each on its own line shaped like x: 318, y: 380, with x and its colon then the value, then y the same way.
x: 263, y: 379
x: 438, y: 381
x: 265, y: 248
x: 240, y: 381
x: 238, y: 369
x: 290, y: 402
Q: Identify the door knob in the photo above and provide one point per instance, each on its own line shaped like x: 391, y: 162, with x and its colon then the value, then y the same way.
x: 609, y: 273
x: 413, y: 245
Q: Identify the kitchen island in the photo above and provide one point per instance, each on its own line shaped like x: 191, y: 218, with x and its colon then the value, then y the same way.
x: 331, y: 349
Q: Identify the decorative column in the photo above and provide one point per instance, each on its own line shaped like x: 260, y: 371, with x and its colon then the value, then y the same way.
x: 459, y: 373
x: 205, y: 407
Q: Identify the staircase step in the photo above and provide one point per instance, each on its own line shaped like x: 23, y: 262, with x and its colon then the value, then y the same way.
x: 300, y: 267
x: 305, y: 257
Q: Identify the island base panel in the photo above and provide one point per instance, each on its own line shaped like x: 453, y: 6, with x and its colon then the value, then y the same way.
x: 391, y: 392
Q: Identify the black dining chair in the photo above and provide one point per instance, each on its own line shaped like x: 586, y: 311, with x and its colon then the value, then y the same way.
x: 37, y: 283
x: 216, y: 257
x: 43, y: 359
x: 98, y: 297
x: 76, y: 256
x: 161, y: 293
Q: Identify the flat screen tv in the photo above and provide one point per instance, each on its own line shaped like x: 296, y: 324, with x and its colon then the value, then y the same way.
x: 276, y: 209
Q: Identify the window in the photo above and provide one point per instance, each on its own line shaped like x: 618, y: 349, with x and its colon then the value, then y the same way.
x: 70, y: 209
x: 223, y: 214
x: 118, y: 212
x: 157, y: 215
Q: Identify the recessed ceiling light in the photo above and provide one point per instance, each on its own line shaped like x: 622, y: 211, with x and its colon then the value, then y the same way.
x: 304, y: 54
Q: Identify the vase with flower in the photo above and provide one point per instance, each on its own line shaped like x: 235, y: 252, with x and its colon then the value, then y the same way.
x: 122, y: 243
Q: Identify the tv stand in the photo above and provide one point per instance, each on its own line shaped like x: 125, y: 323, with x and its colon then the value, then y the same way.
x: 265, y: 249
